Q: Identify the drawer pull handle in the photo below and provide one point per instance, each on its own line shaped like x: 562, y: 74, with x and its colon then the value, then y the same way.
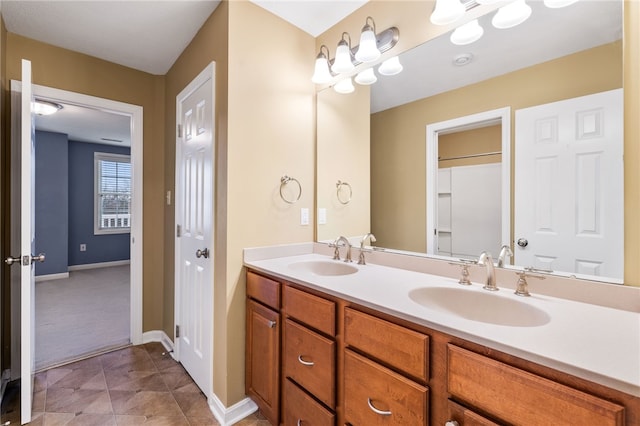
x: 375, y: 410
x: 451, y: 423
x: 303, y: 362
x: 299, y: 422
x: 272, y: 324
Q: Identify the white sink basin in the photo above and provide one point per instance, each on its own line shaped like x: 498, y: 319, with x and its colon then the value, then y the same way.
x: 324, y: 267
x: 480, y: 306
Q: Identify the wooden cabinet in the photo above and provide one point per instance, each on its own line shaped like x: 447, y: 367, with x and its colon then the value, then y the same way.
x: 514, y: 396
x: 338, y: 363
x: 262, y: 363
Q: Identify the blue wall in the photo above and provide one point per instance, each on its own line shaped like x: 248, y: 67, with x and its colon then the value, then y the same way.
x: 51, y: 202
x: 100, y: 248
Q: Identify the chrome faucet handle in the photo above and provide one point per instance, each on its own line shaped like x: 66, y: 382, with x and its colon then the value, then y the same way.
x: 464, y: 272
x: 336, y: 251
x: 522, y: 288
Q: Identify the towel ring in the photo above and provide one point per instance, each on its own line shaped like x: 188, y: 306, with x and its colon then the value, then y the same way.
x: 339, y: 186
x: 284, y: 180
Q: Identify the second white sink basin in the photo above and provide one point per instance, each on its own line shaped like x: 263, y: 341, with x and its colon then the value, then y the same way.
x: 324, y: 267
x: 480, y: 306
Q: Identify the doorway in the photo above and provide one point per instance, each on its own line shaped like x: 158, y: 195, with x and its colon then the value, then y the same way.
x: 135, y: 274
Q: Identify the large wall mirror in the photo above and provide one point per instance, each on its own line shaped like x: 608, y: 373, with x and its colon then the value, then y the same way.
x: 471, y: 176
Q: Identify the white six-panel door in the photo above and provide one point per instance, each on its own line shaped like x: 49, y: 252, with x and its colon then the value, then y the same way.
x: 194, y: 218
x: 569, y: 185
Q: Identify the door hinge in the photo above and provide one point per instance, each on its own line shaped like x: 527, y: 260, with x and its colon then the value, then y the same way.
x: 177, y: 331
x: 179, y: 130
x: 178, y: 231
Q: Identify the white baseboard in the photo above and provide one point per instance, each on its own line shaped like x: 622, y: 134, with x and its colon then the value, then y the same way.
x: 99, y: 265
x: 158, y: 336
x: 231, y: 415
x: 48, y: 277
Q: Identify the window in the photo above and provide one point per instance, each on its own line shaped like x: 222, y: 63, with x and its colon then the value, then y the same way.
x: 112, y: 213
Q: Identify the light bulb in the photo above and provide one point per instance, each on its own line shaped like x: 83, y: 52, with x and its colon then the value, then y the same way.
x: 342, y: 63
x: 467, y: 33
x: 447, y: 12
x: 512, y: 14
x: 366, y: 77
x: 391, y: 66
x: 344, y: 86
x: 368, y: 48
x: 556, y: 4
x: 321, y: 74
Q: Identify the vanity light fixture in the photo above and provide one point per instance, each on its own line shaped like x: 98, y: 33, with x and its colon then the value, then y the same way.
x: 368, y: 49
x: 467, y: 33
x: 42, y: 107
x: 391, y: 66
x: 344, y: 86
x: 512, y: 14
x: 556, y: 4
x: 447, y: 12
x: 343, y: 62
x: 321, y: 73
x: 366, y: 77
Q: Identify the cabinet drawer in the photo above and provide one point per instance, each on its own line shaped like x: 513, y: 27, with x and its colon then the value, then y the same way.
x: 312, y: 310
x: 369, y: 387
x: 466, y: 417
x: 397, y: 346
x: 518, y: 397
x: 310, y: 361
x: 301, y: 409
x: 263, y: 290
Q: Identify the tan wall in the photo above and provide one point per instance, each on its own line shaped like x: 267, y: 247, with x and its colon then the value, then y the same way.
x: 265, y: 129
x: 470, y: 142
x: 400, y: 173
x: 76, y: 72
x: 343, y: 154
x: 632, y: 142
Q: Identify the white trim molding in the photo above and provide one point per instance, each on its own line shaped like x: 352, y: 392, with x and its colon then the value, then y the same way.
x: 160, y: 337
x: 49, y: 277
x: 228, y: 416
x: 98, y: 265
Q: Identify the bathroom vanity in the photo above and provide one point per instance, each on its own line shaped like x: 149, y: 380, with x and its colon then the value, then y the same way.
x: 333, y: 343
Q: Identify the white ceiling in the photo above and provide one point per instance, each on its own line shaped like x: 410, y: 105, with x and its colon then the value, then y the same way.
x: 150, y: 35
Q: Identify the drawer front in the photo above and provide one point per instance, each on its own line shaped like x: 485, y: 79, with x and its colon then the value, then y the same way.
x: 516, y: 396
x: 375, y: 395
x: 311, y: 310
x: 264, y: 290
x: 397, y: 346
x: 302, y: 410
x: 310, y: 361
x: 466, y: 417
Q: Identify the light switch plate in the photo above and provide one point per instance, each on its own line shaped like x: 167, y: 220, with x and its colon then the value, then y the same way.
x: 304, y: 216
x: 322, y: 216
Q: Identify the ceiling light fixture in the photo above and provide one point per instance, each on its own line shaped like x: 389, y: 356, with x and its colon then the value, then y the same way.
x: 467, y: 33
x: 343, y: 62
x: 321, y: 73
x: 391, y: 66
x: 368, y: 50
x: 42, y: 107
x: 512, y: 14
x: 447, y: 12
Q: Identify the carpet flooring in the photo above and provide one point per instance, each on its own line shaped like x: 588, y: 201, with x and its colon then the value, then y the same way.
x: 82, y: 315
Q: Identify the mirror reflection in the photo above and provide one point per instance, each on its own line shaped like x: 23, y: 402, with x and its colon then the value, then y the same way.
x: 557, y: 55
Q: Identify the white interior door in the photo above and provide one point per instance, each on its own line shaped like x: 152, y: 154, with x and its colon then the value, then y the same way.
x: 194, y: 218
x: 569, y: 185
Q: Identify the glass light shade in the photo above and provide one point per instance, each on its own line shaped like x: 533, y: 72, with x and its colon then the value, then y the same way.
x: 467, y: 33
x: 342, y: 63
x: 45, y: 108
x: 447, y: 12
x: 556, y: 4
x: 391, y: 66
x: 368, y: 48
x: 344, y: 86
x: 486, y: 1
x: 512, y: 14
x: 366, y: 77
x: 321, y: 74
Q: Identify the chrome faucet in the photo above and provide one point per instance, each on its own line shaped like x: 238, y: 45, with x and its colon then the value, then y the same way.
x: 487, y: 261
x: 364, y: 239
x: 347, y: 244
x: 504, y: 252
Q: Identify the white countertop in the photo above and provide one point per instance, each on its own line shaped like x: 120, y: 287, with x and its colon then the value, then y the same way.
x: 596, y: 343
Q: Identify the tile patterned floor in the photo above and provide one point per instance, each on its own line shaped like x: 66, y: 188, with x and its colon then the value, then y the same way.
x: 137, y: 385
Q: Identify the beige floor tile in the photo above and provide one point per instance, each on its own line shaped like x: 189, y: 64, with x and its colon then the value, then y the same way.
x: 144, y: 403
x: 193, y: 405
x: 64, y: 400
x: 126, y: 380
x: 151, y: 421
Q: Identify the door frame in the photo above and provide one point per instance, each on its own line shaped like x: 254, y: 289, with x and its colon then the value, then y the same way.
x: 500, y: 116
x: 136, y: 242
x: 207, y: 73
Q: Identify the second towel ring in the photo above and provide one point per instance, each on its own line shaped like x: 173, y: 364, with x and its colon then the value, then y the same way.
x: 284, y: 180
x: 339, y: 186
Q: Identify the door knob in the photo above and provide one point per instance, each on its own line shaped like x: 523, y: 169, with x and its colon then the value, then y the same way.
x: 202, y: 253
x: 11, y: 260
x: 26, y: 260
x: 39, y: 258
x: 522, y: 242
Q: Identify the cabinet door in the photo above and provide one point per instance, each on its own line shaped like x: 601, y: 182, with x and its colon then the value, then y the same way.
x: 465, y: 417
x: 299, y: 409
x: 375, y: 395
x: 263, y: 359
